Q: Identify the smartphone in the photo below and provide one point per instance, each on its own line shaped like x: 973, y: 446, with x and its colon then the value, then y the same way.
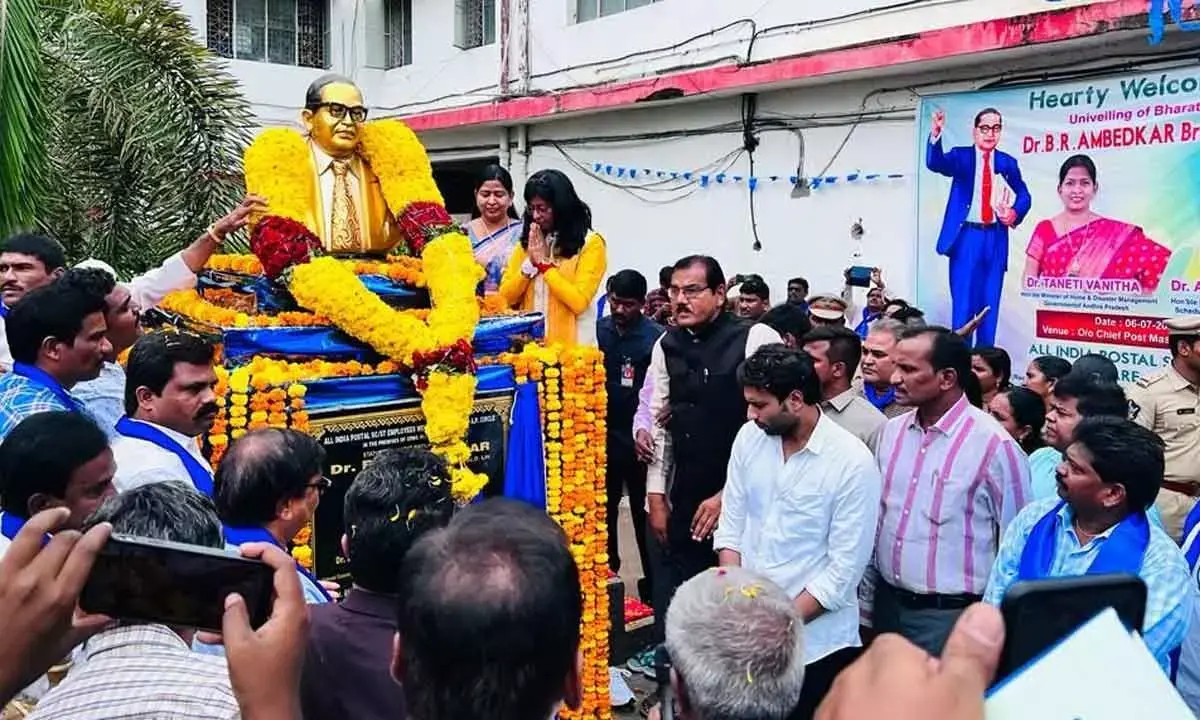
x: 1040, y: 613
x: 859, y: 276
x: 158, y: 581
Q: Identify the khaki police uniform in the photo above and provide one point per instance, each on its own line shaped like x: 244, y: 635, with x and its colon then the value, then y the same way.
x: 1169, y: 405
x: 857, y: 415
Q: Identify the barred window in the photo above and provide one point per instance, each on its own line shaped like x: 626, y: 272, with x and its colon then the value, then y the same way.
x: 591, y: 9
x: 397, y: 34
x: 474, y: 23
x: 285, y: 32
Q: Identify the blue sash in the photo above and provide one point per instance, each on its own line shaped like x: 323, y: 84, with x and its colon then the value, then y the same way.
x: 1122, y: 552
x: 879, y: 401
x: 1192, y: 520
x: 3, y: 311
x: 864, y: 325
x: 201, y: 476
x: 1191, y: 552
x: 10, y: 525
x: 241, y: 535
x: 37, y: 376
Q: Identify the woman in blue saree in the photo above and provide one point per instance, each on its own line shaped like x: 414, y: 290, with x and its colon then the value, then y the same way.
x: 495, y: 227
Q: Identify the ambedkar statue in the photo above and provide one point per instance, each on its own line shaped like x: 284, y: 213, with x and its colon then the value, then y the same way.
x: 341, y: 199
x: 350, y: 187
x: 348, y: 213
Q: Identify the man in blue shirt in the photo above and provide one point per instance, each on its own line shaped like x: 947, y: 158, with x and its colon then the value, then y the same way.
x: 1074, y: 397
x: 1109, y: 477
x: 57, y: 337
x: 39, y: 471
x: 626, y: 337
x: 104, y: 396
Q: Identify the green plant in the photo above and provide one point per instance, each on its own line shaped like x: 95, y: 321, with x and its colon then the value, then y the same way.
x: 21, y: 113
x: 141, y: 131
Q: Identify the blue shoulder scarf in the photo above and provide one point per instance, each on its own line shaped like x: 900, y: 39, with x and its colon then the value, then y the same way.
x: 37, y: 376
x: 879, y: 401
x: 1122, y: 552
x: 201, y: 476
x: 241, y: 535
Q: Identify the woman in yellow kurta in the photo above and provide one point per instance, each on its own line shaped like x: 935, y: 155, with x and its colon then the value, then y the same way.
x: 560, y: 263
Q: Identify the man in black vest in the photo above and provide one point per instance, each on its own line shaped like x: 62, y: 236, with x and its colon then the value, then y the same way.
x: 696, y: 391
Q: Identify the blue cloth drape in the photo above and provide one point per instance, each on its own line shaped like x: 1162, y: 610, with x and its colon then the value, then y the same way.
x: 525, y: 468
x: 337, y: 393
x: 1122, y: 552
x: 493, y: 335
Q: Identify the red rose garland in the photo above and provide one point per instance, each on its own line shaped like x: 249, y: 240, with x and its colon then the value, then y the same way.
x: 280, y: 243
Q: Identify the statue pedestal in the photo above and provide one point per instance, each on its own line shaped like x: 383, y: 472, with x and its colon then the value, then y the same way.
x: 352, y: 436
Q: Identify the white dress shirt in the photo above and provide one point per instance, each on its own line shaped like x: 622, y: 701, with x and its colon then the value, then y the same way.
x: 327, y: 179
x: 807, y: 523
x: 975, y: 214
x: 146, y: 290
x: 656, y: 475
x: 142, y: 463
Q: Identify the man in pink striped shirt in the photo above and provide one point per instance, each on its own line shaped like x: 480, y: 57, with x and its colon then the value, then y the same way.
x: 952, y: 480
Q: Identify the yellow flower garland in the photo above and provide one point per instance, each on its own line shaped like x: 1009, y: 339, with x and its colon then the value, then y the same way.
x: 267, y: 392
x: 399, y: 160
x: 278, y: 167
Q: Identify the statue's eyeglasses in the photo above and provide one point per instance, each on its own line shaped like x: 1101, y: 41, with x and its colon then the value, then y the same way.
x: 338, y: 111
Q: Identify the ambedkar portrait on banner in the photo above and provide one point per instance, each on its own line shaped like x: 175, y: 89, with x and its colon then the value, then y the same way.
x: 987, y: 198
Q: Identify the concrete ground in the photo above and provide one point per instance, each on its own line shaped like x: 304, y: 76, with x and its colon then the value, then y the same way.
x: 631, y: 562
x: 631, y: 572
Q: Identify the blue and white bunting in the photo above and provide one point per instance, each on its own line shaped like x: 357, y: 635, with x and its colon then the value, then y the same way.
x: 755, y: 183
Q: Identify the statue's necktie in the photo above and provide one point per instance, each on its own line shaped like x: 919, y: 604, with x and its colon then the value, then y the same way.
x: 347, y: 235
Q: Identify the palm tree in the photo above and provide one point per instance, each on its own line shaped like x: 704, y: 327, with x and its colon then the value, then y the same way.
x: 122, y: 135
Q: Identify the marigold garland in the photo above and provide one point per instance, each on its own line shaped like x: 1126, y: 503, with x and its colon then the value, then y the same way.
x: 267, y: 392
x: 217, y: 438
x: 573, y: 405
x: 399, y: 268
x: 327, y: 287
x: 190, y: 305
x: 278, y: 167
x: 399, y: 160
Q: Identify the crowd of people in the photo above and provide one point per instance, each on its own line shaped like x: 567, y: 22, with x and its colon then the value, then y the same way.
x: 825, y: 498
x: 890, y: 476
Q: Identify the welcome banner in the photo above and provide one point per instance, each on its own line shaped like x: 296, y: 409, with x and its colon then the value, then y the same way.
x: 1071, y: 210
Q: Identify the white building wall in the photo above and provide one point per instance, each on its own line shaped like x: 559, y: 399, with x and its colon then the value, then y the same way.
x: 442, y: 75
x: 806, y: 236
